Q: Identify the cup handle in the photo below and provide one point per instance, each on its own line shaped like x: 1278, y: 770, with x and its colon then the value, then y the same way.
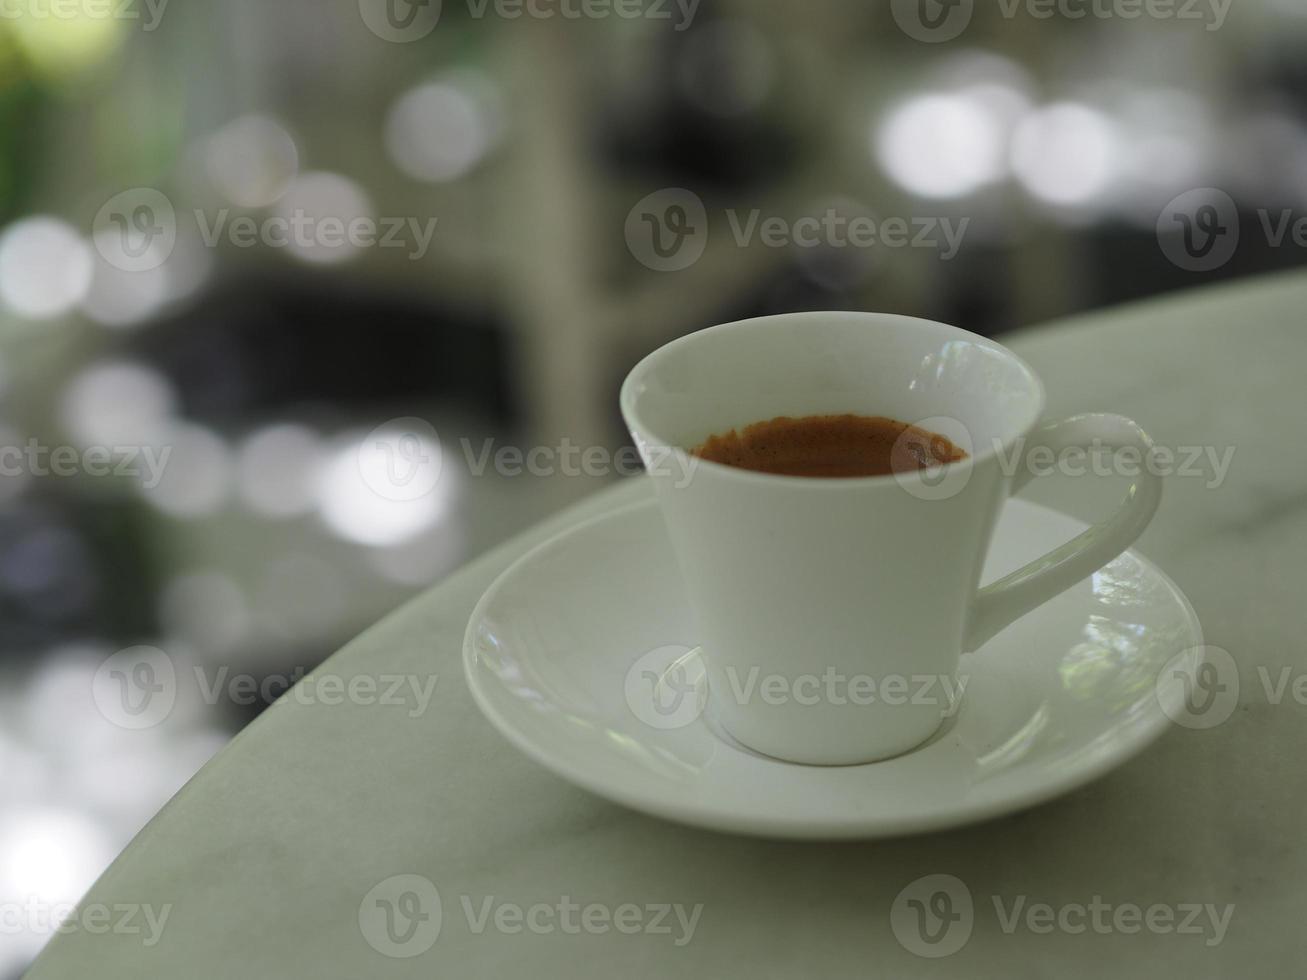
x: 1001, y: 603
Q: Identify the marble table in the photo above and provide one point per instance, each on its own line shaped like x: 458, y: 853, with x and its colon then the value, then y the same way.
x: 267, y: 856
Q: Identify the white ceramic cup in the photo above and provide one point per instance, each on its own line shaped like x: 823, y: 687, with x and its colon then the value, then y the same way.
x: 819, y: 600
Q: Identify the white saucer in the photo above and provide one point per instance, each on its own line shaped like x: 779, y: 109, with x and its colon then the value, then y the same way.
x: 564, y: 651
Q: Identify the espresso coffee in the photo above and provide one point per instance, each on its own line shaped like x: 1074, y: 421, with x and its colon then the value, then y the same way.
x: 830, y: 445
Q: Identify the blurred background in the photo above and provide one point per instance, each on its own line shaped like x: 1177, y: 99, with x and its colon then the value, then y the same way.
x: 285, y: 286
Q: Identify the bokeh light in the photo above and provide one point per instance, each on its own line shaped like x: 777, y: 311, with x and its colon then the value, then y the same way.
x: 350, y: 504
x: 117, y: 403
x: 1066, y: 153
x: 252, y: 160
x: 441, y: 130
x: 118, y: 298
x: 941, y: 146
x: 277, y: 470
x: 323, y: 205
x: 75, y: 40
x: 49, y: 857
x: 197, y: 475
x: 45, y: 267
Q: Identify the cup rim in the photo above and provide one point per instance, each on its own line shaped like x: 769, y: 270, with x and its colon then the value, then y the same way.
x: 685, y: 459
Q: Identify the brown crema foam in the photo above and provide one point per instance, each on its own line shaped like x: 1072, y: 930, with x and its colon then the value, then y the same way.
x: 829, y: 445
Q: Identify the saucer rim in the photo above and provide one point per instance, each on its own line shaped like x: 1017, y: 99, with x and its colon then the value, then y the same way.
x: 1143, y: 733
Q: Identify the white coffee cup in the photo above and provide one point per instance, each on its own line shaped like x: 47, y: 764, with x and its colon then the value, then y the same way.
x: 819, y: 599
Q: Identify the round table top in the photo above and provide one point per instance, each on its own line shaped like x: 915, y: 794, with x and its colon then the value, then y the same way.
x: 1187, y: 859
